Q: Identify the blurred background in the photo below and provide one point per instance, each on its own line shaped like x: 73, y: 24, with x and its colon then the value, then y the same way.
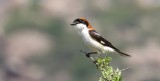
x: 37, y: 42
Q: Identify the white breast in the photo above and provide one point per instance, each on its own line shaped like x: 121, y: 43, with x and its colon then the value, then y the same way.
x: 90, y: 41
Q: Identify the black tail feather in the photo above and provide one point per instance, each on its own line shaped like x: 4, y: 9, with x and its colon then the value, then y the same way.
x: 123, y: 54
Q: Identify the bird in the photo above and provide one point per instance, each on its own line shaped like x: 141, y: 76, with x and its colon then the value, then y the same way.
x: 92, y: 39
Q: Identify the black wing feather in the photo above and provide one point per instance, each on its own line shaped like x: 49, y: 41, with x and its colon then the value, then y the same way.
x: 104, y: 42
x: 100, y: 39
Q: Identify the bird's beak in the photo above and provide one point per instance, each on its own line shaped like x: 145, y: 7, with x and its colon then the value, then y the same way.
x: 73, y: 24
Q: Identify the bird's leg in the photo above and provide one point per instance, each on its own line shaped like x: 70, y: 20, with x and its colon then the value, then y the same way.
x: 99, y: 54
x: 88, y: 55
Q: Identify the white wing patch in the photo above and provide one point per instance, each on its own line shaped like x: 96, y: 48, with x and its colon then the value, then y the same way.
x: 102, y: 42
x: 96, y: 33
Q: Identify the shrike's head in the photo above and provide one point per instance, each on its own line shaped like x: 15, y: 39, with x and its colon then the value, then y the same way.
x: 81, y: 23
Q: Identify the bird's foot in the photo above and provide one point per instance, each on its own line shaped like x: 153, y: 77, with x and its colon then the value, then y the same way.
x: 88, y: 55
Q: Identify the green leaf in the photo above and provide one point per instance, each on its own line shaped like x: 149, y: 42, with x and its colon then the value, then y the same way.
x: 108, y: 73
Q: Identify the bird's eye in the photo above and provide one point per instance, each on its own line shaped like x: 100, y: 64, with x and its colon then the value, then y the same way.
x: 80, y: 21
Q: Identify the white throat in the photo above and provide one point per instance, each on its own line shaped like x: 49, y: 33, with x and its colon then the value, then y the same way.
x: 81, y: 27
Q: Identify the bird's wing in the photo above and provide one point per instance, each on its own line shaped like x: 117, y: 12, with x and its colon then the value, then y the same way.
x: 104, y: 42
x: 100, y: 39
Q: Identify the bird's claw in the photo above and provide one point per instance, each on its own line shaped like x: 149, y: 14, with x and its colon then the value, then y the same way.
x: 87, y: 54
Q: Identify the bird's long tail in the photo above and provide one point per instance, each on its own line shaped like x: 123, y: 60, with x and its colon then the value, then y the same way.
x: 123, y: 54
